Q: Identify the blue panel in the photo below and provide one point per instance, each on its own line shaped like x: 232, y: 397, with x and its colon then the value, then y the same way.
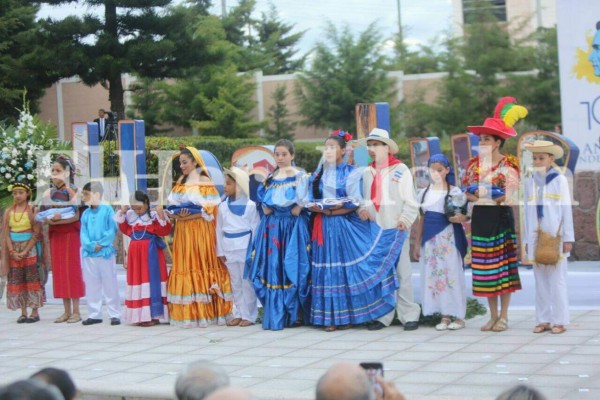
x: 214, y: 169
x: 140, y: 157
x: 127, y: 158
x: 382, y: 112
x: 96, y: 167
x: 434, y: 146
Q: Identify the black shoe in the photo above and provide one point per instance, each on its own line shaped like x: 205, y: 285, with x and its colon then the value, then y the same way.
x: 31, y: 319
x: 411, y: 326
x: 91, y: 321
x: 115, y: 321
x: 375, y: 326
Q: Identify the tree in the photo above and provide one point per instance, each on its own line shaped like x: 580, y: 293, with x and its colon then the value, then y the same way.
x: 540, y: 92
x: 279, y: 126
x: 20, y: 66
x: 266, y: 44
x: 344, y: 72
x: 423, y: 60
x: 133, y: 36
x: 226, y: 101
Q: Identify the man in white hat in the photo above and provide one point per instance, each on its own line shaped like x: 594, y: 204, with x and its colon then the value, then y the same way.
x: 390, y: 199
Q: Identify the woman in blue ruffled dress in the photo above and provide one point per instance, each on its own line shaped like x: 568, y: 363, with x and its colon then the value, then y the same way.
x: 353, y: 261
x: 277, y: 263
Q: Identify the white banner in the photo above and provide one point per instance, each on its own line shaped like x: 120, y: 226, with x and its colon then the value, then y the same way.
x: 578, y: 33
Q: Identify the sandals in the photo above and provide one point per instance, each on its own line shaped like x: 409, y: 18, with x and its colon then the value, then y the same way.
x: 330, y: 328
x: 501, y: 325
x: 234, y: 322
x: 149, y: 323
x: 558, y: 329
x: 489, y: 325
x: 540, y: 328
x: 73, y: 318
x: 457, y: 324
x: 63, y: 318
x: 22, y: 319
x: 443, y: 325
x: 246, y: 323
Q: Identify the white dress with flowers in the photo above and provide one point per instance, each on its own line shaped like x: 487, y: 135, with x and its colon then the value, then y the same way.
x: 442, y: 277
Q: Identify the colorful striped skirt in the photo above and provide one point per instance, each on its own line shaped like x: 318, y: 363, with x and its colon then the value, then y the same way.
x: 494, y: 251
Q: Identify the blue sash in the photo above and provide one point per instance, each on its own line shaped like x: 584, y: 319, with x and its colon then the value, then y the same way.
x: 156, y: 242
x: 191, y: 207
x: 497, y: 191
x: 435, y: 222
x: 236, y: 235
x: 25, y: 236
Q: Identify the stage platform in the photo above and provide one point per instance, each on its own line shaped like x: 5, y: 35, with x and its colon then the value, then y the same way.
x: 129, y: 362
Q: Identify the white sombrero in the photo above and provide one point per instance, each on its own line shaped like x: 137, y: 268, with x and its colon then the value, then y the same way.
x: 545, y: 146
x: 383, y: 136
x: 240, y: 177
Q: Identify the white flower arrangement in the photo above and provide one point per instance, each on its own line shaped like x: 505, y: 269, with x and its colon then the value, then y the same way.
x: 22, y: 152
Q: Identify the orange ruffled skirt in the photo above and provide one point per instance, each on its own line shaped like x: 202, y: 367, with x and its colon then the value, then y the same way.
x: 199, y: 288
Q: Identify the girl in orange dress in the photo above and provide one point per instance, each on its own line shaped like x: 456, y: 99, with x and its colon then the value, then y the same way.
x: 199, y: 288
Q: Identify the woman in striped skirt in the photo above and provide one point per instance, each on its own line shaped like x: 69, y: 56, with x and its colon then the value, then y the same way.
x: 491, y: 180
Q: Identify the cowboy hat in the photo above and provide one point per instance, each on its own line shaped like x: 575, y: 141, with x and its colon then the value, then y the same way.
x: 383, y: 136
x: 545, y: 146
x: 240, y: 177
x: 506, y: 114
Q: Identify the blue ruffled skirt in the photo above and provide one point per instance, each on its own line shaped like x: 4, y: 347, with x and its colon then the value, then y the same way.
x: 354, y: 271
x: 277, y: 265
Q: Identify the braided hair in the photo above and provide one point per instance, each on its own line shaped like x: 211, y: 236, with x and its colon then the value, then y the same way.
x: 341, y: 138
x: 140, y: 196
x: 67, y: 165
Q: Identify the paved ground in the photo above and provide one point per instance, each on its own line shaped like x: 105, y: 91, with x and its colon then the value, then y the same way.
x: 132, y: 362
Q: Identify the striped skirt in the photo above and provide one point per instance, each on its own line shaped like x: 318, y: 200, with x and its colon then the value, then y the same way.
x: 494, y: 251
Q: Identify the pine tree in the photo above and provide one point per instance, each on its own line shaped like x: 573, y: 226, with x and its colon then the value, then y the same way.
x: 279, y: 125
x: 21, y: 68
x: 132, y: 36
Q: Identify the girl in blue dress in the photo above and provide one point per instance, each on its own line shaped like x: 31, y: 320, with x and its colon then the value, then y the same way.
x: 277, y: 264
x: 353, y: 261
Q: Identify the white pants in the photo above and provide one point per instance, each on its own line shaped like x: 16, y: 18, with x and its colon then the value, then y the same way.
x: 244, y: 297
x: 408, y: 310
x: 551, y: 300
x: 100, y: 277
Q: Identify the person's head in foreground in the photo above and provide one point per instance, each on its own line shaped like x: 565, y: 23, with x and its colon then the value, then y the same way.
x: 59, y: 378
x: 199, y: 379
x: 30, y: 389
x: 521, y: 392
x: 348, y: 381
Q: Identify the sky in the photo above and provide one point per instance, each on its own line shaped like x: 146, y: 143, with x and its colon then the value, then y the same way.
x: 422, y: 20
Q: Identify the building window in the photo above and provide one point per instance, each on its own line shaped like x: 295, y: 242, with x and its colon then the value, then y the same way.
x: 476, y: 10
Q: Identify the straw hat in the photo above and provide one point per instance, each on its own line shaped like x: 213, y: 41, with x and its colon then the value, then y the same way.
x: 240, y: 177
x: 383, y: 136
x: 545, y: 146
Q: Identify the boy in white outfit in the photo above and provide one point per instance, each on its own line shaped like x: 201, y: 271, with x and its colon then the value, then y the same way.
x: 548, y: 207
x: 391, y: 200
x: 237, y: 221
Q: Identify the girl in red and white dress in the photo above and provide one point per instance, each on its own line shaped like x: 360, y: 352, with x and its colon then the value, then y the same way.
x: 146, y: 294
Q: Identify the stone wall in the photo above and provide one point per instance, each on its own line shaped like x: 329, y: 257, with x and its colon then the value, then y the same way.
x: 586, y: 193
